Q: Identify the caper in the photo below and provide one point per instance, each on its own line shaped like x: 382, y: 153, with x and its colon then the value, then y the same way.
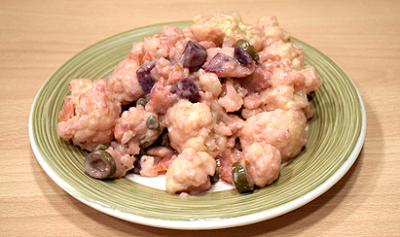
x: 141, y: 102
x: 152, y: 123
x: 241, y: 178
x: 245, y: 45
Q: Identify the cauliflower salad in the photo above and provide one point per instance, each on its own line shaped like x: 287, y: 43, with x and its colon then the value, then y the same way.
x: 217, y: 100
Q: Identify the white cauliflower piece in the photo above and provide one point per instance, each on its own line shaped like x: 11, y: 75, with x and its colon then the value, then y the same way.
x: 232, y: 98
x: 265, y: 161
x: 190, y: 172
x: 225, y: 29
x: 189, y: 126
x: 123, y: 84
x: 284, y: 130
x: 132, y: 126
x: 88, y: 114
x: 271, y: 30
x: 279, y: 51
x: 210, y: 82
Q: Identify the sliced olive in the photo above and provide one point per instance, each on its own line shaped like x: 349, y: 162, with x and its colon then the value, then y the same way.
x: 163, y: 139
x: 215, y: 177
x: 100, y: 165
x: 101, y: 147
x: 241, y: 178
x: 152, y: 123
x: 141, y: 102
x: 245, y: 45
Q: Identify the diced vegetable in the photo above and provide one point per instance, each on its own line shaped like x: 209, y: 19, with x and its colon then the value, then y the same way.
x: 242, y: 57
x: 245, y: 45
x: 186, y: 88
x: 217, y: 63
x: 194, y: 56
x: 144, y: 77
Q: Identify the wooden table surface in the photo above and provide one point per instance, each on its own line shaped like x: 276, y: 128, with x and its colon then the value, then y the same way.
x: 363, y: 37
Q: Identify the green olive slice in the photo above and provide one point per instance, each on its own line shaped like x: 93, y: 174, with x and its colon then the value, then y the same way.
x: 245, y: 45
x: 241, y: 178
x: 100, y: 165
x: 101, y: 147
x: 215, y: 177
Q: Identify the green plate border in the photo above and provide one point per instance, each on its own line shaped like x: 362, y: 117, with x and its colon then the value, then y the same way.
x: 335, y: 137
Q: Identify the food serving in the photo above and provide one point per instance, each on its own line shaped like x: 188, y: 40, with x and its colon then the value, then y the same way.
x: 219, y: 99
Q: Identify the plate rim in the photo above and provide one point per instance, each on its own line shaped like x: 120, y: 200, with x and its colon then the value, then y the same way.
x: 213, y: 223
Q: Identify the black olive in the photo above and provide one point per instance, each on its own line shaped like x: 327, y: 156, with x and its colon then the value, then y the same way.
x: 152, y: 123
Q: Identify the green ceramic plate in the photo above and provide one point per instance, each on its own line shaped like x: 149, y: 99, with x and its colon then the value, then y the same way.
x: 335, y: 138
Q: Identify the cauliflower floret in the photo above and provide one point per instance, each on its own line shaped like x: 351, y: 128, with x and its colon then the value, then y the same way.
x: 123, y: 159
x: 132, y: 126
x: 210, y: 82
x: 232, y: 98
x: 265, y: 162
x: 190, y: 172
x: 288, y: 91
x: 225, y: 29
x: 123, y: 84
x: 161, y: 98
x: 172, y: 73
x: 189, y: 126
x: 153, y: 49
x: 148, y: 164
x: 280, y: 51
x: 306, y: 80
x: 79, y: 86
x: 258, y: 81
x: 173, y: 40
x: 88, y: 115
x: 284, y: 130
x: 285, y: 98
x: 272, y: 31
x: 281, y: 97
